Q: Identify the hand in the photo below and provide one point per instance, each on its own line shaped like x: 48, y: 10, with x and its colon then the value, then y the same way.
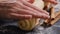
x: 21, y: 10
x: 52, y: 1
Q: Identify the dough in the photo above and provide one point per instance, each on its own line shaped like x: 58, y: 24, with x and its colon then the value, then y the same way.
x: 29, y: 24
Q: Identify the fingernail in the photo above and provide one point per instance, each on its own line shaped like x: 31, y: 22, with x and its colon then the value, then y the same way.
x: 48, y: 16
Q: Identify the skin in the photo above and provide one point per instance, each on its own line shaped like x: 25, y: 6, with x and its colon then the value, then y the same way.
x: 25, y: 10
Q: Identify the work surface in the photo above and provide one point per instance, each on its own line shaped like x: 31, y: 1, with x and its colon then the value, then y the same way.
x: 12, y: 29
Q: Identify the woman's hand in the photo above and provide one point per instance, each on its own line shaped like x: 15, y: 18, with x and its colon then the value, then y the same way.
x: 21, y: 10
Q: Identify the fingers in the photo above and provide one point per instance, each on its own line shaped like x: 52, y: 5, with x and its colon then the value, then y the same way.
x: 20, y: 16
x: 24, y: 11
x: 34, y: 13
x: 32, y: 6
x: 28, y: 8
x: 28, y: 12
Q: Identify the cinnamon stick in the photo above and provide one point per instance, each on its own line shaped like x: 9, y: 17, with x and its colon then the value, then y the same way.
x: 52, y: 13
x: 55, y: 20
x: 57, y: 13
